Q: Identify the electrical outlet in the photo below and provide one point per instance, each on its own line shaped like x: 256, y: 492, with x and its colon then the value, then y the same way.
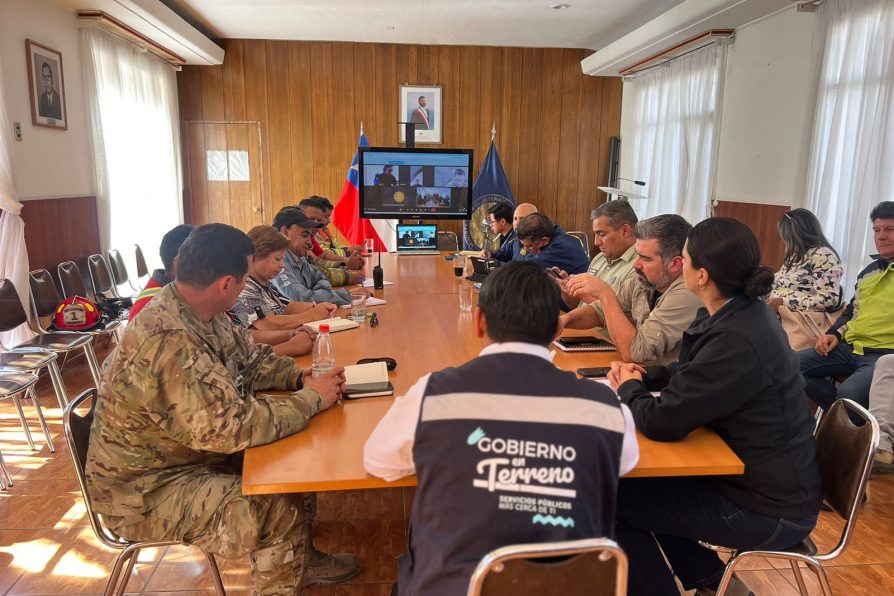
x: 17, y: 128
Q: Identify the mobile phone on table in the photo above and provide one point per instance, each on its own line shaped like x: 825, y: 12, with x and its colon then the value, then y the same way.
x: 597, y: 372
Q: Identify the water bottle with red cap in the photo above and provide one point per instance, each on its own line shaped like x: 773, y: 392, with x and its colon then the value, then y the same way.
x: 323, y: 354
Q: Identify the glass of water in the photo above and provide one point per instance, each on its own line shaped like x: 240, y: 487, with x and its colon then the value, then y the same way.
x: 358, y: 307
x: 465, y: 297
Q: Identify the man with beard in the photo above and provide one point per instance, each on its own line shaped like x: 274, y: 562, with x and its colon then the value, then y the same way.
x: 646, y: 318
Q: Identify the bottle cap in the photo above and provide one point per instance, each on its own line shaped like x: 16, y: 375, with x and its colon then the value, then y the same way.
x: 324, y: 328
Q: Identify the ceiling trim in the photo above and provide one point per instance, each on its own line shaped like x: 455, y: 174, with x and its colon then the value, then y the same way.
x: 109, y: 23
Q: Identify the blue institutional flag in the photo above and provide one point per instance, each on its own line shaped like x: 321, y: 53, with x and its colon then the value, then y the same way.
x: 490, y: 187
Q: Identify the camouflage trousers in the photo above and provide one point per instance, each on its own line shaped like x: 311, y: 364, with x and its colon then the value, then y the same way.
x: 208, y: 510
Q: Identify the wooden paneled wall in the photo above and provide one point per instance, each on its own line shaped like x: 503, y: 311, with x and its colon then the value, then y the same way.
x: 553, y: 122
x: 762, y: 220
x: 59, y: 230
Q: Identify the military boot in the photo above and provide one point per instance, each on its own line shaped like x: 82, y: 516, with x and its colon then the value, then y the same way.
x: 324, y: 569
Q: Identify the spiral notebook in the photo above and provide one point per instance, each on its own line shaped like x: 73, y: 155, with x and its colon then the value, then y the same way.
x: 586, y: 343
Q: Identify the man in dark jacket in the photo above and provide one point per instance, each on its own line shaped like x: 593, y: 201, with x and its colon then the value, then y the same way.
x: 549, y: 245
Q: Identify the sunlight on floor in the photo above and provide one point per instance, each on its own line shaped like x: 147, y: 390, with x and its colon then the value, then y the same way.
x: 31, y: 556
x: 72, y: 564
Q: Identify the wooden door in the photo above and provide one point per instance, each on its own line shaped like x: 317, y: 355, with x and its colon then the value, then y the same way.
x: 223, y: 174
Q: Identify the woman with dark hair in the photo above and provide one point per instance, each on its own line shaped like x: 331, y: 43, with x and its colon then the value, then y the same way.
x: 810, y: 277
x: 737, y: 376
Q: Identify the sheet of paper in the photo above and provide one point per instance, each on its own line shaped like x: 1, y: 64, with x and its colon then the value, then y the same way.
x: 361, y: 374
x: 371, y: 301
x: 368, y: 283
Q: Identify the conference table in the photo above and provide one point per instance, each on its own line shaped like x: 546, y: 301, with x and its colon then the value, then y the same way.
x: 422, y: 327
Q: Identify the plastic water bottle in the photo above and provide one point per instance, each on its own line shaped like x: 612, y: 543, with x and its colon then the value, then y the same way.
x: 323, y: 354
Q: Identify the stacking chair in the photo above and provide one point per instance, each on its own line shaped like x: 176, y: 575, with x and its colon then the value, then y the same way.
x: 77, y: 434
x: 845, y: 453
x: 142, y: 269
x: 11, y: 385
x: 594, y: 566
x: 73, y: 285
x: 12, y: 314
x: 70, y: 280
x: 119, y: 272
x: 33, y: 362
x: 584, y: 241
x: 101, y: 277
x: 448, y: 241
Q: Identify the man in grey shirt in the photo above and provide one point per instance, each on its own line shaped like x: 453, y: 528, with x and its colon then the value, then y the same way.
x: 648, y: 315
x: 299, y: 280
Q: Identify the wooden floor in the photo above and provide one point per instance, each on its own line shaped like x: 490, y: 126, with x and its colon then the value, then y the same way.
x: 47, y: 546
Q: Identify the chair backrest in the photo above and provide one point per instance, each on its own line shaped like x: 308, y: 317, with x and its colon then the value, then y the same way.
x: 12, y: 313
x: 44, y: 297
x: 119, y: 269
x: 845, y: 452
x: 571, y: 568
x: 77, y: 434
x: 584, y: 241
x: 447, y: 240
x: 142, y: 270
x: 71, y: 281
x: 100, y: 277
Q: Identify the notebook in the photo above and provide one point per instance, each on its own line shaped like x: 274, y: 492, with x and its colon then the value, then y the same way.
x: 367, y: 380
x: 334, y: 324
x: 417, y: 239
x: 586, y: 343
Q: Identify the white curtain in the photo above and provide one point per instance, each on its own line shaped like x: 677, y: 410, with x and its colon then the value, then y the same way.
x: 13, y: 254
x: 132, y: 102
x: 668, y: 137
x: 852, y: 155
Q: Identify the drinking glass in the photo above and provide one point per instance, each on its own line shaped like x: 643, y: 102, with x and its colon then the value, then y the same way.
x: 358, y: 307
x: 465, y: 297
x: 459, y: 265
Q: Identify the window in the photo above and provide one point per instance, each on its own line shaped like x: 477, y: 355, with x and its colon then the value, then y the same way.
x: 669, y: 130
x: 851, y: 165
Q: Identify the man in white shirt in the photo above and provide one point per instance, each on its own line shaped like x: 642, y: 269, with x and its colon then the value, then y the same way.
x: 507, y: 441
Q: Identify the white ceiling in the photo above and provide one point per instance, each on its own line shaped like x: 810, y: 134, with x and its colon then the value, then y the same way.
x: 531, y: 23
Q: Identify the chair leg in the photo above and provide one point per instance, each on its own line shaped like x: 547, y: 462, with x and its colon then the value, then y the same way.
x: 215, y: 574
x: 820, y: 573
x: 15, y: 400
x: 43, y: 422
x: 125, y: 557
x: 5, y: 478
x: 125, y: 577
x: 802, y: 587
x: 92, y: 363
x: 58, y: 384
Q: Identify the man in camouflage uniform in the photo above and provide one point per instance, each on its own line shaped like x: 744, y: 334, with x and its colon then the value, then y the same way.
x: 177, y: 405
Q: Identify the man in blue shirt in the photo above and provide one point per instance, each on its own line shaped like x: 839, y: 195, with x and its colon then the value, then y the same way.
x: 549, y: 246
x: 510, y: 248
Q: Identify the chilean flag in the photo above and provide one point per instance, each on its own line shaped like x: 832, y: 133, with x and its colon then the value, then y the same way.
x: 346, y: 215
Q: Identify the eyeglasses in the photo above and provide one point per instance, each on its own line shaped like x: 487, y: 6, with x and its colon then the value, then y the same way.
x: 390, y: 363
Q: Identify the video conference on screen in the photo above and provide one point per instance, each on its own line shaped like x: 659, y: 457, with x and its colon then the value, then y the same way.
x: 416, y: 189
x: 421, y: 237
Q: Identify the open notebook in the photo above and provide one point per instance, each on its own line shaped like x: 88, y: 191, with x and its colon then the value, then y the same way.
x: 334, y: 324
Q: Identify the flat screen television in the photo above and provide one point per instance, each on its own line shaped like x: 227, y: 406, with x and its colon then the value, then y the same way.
x: 399, y: 183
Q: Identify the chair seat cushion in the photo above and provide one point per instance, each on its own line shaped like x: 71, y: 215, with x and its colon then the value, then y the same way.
x: 805, y: 547
x: 13, y: 382
x: 26, y: 360
x: 57, y: 342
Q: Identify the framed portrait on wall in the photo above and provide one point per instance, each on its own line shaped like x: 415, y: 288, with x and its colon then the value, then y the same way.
x: 422, y: 107
x: 47, y: 86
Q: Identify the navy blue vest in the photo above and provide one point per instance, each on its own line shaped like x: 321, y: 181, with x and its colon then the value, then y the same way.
x: 509, y: 449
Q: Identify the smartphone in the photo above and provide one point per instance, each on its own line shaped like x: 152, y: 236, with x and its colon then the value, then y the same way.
x: 552, y: 273
x: 599, y: 372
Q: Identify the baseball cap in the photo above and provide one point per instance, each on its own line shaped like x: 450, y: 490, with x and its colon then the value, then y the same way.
x: 289, y: 216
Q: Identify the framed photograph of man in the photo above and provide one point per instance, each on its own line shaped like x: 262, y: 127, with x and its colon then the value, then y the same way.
x: 47, y: 86
x: 422, y: 107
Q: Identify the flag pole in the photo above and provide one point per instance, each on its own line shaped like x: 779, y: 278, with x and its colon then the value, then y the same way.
x: 493, y: 132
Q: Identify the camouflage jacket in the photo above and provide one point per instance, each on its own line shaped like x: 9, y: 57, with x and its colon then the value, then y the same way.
x: 177, y: 396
